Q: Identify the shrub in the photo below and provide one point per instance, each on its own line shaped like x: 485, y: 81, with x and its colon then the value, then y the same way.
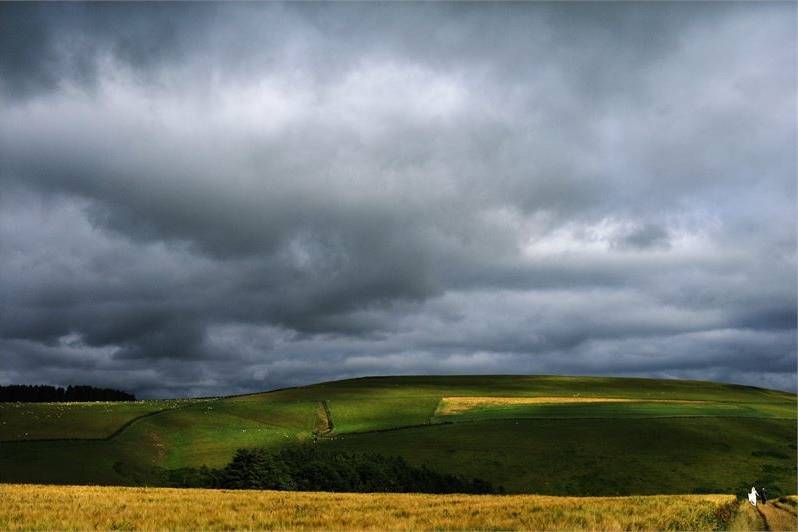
x: 309, y: 468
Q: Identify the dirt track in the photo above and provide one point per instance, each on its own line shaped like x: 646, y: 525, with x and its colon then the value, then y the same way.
x: 778, y: 516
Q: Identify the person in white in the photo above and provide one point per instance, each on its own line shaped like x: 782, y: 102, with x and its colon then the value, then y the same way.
x: 752, y: 496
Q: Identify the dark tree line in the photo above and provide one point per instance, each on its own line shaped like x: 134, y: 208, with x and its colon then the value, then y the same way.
x: 40, y: 393
x: 311, y: 468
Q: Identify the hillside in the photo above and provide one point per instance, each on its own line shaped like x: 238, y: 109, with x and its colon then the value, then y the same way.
x: 530, y: 434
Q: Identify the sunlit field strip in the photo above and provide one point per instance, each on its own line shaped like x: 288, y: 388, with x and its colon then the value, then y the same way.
x: 37, y: 507
x: 456, y: 405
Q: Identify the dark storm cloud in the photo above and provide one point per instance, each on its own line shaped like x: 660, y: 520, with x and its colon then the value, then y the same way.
x: 44, y: 45
x: 209, y: 198
x: 649, y: 235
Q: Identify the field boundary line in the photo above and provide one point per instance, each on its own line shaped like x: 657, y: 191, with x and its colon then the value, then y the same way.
x: 328, y: 415
x: 439, y: 421
x: 111, y: 436
x: 393, y: 429
x: 560, y: 418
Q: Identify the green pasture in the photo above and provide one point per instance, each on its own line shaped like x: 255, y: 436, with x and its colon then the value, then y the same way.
x: 728, y: 436
x: 601, y: 456
x: 36, y: 421
x: 193, y: 434
x: 379, y: 403
x: 209, y: 433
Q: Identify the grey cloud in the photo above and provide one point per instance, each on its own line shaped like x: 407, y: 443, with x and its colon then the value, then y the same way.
x: 210, y: 198
x: 45, y: 46
x: 647, y: 236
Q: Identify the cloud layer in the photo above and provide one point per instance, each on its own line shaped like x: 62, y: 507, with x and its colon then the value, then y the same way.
x: 203, y: 199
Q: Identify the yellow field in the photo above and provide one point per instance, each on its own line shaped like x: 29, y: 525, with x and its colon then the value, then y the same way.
x: 456, y: 405
x: 77, y: 507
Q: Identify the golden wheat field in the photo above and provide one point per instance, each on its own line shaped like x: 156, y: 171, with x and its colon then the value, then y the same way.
x: 455, y: 405
x: 37, y: 507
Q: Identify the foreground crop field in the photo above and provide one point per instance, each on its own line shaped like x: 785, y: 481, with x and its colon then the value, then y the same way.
x: 530, y: 434
x: 32, y: 507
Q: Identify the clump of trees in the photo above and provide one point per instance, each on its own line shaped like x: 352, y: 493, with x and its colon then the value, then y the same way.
x: 311, y: 468
x: 40, y: 393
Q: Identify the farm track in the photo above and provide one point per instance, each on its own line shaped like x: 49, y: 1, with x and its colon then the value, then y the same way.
x: 763, y: 517
x: 777, y: 518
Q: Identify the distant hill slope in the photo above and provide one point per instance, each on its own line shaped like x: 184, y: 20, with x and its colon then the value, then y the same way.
x: 533, y: 434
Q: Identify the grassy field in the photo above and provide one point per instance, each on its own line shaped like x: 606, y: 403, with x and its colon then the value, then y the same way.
x: 36, y: 421
x: 530, y: 434
x: 600, y: 457
x: 208, y: 433
x: 33, y: 507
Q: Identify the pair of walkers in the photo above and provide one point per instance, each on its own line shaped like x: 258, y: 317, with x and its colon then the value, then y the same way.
x: 761, y: 494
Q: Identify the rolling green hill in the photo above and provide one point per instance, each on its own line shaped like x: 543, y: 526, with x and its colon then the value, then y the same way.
x: 530, y: 434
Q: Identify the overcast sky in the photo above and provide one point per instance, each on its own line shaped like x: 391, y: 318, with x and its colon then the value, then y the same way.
x: 211, y: 199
